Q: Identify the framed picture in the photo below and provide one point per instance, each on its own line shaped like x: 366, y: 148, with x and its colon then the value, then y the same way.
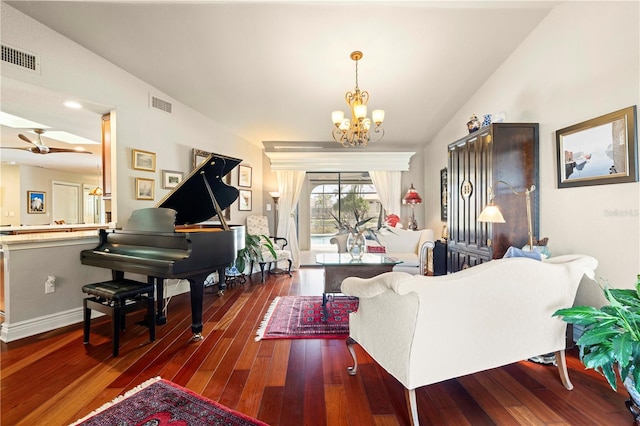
x: 198, y: 156
x: 244, y: 176
x: 599, y: 151
x: 144, y: 160
x: 171, y: 179
x: 244, y: 200
x: 444, y: 195
x: 144, y: 189
x: 36, y: 202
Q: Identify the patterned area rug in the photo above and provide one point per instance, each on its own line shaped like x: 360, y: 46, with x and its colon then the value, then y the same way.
x: 304, y: 317
x: 159, y: 402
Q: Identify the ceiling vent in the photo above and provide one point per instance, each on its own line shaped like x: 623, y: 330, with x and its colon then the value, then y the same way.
x: 20, y: 58
x: 158, y: 103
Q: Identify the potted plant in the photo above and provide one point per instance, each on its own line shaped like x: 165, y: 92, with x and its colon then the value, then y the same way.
x: 252, y: 251
x: 610, y: 343
x: 357, y: 234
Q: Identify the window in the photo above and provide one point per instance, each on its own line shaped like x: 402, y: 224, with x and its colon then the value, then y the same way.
x: 339, y: 195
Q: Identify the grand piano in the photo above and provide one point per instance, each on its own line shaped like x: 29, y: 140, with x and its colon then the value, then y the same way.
x: 167, y: 242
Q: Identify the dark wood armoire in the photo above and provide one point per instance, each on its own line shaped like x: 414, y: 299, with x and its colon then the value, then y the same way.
x: 499, y: 152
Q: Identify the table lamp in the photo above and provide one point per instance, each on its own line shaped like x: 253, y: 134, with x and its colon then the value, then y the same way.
x: 412, y: 198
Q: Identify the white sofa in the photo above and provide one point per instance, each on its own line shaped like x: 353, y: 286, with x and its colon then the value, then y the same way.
x: 424, y: 330
x: 412, y: 247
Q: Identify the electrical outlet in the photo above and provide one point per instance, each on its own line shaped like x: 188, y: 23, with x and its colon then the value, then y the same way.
x: 50, y: 284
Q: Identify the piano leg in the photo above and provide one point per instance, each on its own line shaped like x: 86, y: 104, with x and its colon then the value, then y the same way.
x: 197, y: 295
x: 222, y: 282
x: 161, y: 318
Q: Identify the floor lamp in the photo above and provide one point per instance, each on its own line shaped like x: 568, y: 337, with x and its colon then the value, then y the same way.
x: 491, y: 213
x: 276, y: 197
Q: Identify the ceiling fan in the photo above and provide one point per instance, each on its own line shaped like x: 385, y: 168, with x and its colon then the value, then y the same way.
x: 41, y: 148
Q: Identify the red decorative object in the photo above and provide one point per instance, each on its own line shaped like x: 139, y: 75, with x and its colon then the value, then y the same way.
x: 376, y: 249
x: 392, y: 220
x: 164, y: 403
x: 304, y: 317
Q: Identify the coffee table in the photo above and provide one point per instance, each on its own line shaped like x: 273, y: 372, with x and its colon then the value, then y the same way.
x: 338, y: 266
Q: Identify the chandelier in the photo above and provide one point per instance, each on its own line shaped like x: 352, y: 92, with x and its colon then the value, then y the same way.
x: 357, y: 131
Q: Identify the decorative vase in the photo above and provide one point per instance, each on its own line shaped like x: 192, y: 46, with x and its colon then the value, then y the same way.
x: 356, y: 245
x: 473, y: 124
x: 633, y: 404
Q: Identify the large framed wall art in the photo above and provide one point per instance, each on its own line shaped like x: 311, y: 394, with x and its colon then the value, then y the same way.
x: 599, y: 151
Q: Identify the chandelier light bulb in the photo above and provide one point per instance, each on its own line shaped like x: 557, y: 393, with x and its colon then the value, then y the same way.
x: 378, y: 116
x: 337, y: 117
x: 360, y: 111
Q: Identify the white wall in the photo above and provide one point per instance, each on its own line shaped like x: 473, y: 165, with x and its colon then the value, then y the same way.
x: 9, y: 197
x: 581, y: 62
x: 68, y: 68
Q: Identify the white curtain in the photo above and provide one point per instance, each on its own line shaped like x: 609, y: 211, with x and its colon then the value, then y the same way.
x: 387, y: 185
x: 289, y: 185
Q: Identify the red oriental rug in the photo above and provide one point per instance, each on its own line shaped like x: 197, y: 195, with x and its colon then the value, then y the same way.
x: 159, y: 402
x: 304, y: 317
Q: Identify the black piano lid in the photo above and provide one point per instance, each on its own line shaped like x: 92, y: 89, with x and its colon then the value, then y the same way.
x: 191, y: 200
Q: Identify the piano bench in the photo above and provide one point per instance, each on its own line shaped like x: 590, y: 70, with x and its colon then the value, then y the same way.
x: 117, y: 298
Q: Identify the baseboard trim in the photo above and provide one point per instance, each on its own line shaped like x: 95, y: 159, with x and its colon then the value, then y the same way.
x: 31, y: 327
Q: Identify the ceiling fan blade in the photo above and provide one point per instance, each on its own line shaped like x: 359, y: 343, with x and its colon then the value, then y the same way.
x: 26, y: 139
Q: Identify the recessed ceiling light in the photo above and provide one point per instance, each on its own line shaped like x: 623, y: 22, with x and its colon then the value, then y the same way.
x: 72, y: 104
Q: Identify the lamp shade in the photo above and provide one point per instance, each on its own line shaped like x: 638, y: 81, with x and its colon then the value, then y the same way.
x: 412, y: 196
x: 491, y: 214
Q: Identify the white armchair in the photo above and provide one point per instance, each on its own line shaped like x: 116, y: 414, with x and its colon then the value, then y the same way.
x: 487, y: 316
x: 259, y: 225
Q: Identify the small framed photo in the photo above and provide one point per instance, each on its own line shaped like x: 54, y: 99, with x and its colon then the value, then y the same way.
x: 144, y: 188
x: 36, y: 202
x: 444, y: 197
x: 171, y: 179
x: 599, y: 151
x: 144, y: 160
x: 244, y: 176
x: 244, y: 200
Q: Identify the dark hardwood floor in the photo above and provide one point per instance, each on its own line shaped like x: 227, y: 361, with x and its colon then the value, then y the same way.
x: 53, y: 379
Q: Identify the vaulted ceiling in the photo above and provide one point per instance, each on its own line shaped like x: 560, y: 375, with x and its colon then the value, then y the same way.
x: 274, y: 70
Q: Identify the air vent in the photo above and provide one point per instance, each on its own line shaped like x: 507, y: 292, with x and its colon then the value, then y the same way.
x: 158, y: 103
x: 20, y: 58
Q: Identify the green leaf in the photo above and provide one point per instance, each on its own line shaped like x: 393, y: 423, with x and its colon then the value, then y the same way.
x: 610, y: 374
x: 622, y: 349
x: 598, y: 334
x: 582, y: 315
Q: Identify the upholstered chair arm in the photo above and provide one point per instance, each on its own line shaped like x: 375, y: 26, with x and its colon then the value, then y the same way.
x: 424, y: 255
x: 284, y: 243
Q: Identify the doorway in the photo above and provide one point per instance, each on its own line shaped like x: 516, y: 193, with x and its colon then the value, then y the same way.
x: 66, y: 202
